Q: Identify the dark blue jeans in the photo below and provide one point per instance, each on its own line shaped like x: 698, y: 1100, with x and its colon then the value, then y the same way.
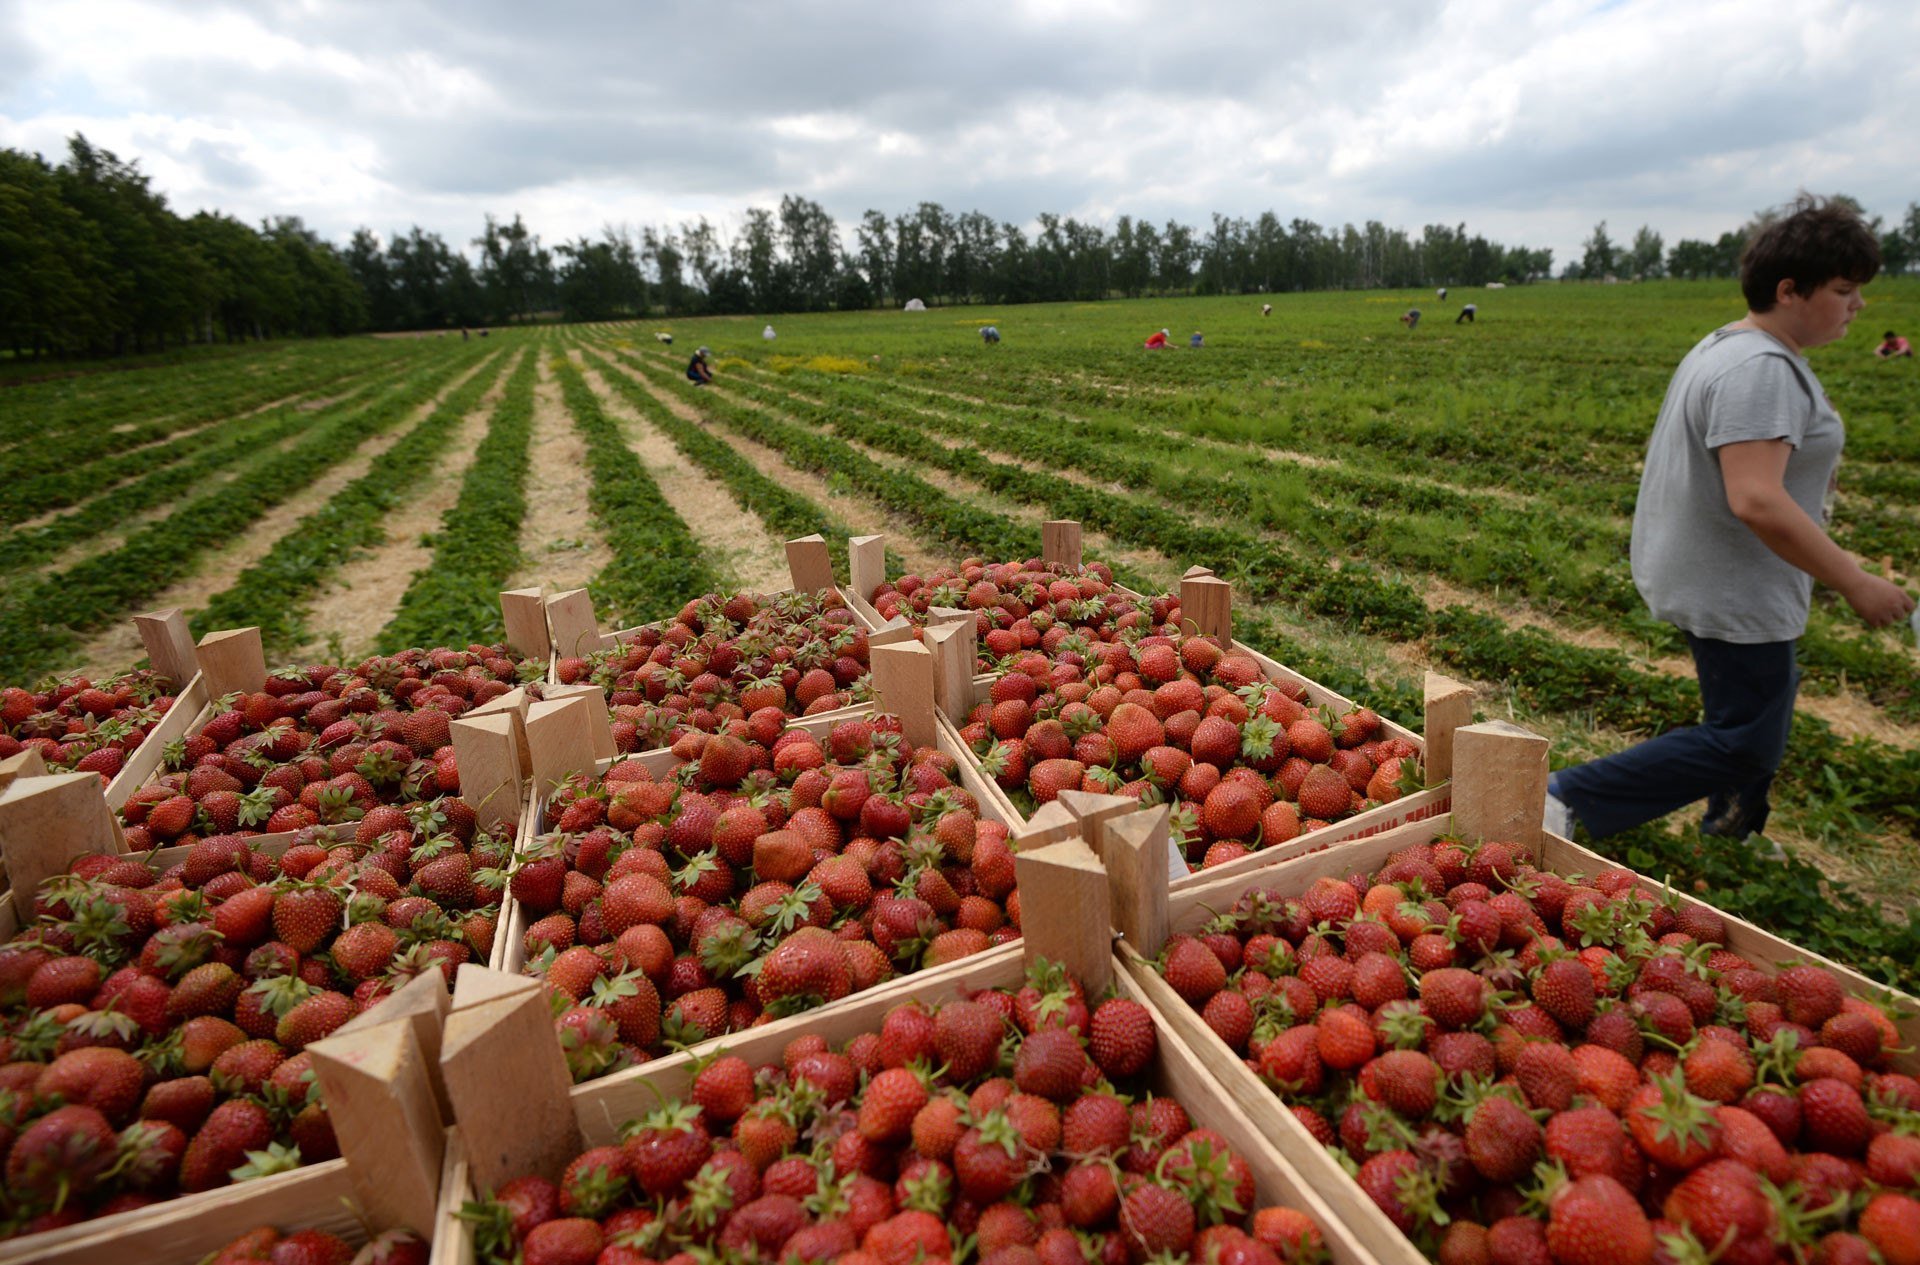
x: 1746, y: 710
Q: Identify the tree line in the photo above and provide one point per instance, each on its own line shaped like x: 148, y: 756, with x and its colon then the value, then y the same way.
x: 93, y: 261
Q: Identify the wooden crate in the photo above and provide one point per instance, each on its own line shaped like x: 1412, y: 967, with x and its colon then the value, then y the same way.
x: 563, y: 746
x: 379, y: 1077
x: 1193, y: 906
x: 599, y: 1108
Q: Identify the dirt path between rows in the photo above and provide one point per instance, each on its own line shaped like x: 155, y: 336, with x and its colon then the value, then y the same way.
x: 737, y: 545
x: 117, y: 648
x: 559, y: 546
x: 362, y: 595
x: 862, y: 516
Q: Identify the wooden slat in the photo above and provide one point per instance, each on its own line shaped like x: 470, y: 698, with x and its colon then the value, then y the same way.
x: 524, y: 612
x: 233, y: 661
x: 169, y: 644
x: 1449, y: 705
x: 809, y: 564
x: 45, y: 822
x: 1499, y: 782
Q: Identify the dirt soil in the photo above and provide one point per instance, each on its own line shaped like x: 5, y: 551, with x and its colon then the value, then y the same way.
x: 362, y: 596
x: 736, y: 543
x: 862, y: 516
x: 558, y: 542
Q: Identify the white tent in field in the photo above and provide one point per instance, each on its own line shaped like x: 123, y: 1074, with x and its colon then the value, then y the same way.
x: 914, y: 305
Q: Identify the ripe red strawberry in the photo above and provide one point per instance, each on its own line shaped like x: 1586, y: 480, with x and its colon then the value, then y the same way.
x: 306, y: 914
x: 1154, y: 1219
x: 667, y: 1149
x: 967, y: 1036
x: 1833, y: 1117
x: 67, y: 1150
x: 236, y: 1126
x: 313, y: 1019
x: 892, y: 1100
x: 1564, y: 989
x: 1121, y: 1038
x: 1194, y: 971
x: 1594, y: 1221
x: 1502, y: 1140
x: 563, y: 1241
x: 1891, y: 1222
x: 1050, y: 1063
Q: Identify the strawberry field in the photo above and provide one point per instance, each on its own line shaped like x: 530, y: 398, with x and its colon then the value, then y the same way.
x: 688, y: 820
x: 1382, y: 499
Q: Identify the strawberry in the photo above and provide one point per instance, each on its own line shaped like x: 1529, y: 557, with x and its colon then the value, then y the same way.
x: 1833, y: 1117
x: 313, y: 1019
x: 967, y: 1036
x: 1594, y: 1221
x: 236, y: 1126
x: 562, y: 1241
x: 1193, y: 971
x: 110, y: 1081
x: 1051, y: 1064
x: 1121, y: 1038
x: 1154, y: 1219
x: 667, y: 1149
x: 1502, y: 1140
x: 1891, y: 1223
x: 65, y: 1152
x: 887, y: 1109
x: 306, y: 914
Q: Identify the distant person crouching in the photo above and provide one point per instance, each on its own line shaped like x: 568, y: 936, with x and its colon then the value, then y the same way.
x: 1410, y: 317
x: 1893, y: 346
x: 1466, y: 315
x: 698, y: 371
x: 1157, y: 340
x: 989, y: 334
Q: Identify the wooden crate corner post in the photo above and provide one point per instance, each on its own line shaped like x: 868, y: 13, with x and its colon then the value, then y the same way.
x: 24, y: 763
x: 1139, y: 856
x: 866, y: 565
x: 903, y: 682
x: 1499, y: 783
x: 488, y: 751
x: 47, y: 821
x: 810, y: 565
x: 572, y: 624
x: 423, y: 1002
x: 952, y: 646
x: 381, y: 1101
x: 233, y: 661
x: 560, y: 735
x: 1449, y: 705
x: 524, y: 612
x: 169, y: 644
x: 509, y: 1041
x: 1060, y: 542
x: 1065, y: 910
x: 1206, y: 607
x: 599, y: 718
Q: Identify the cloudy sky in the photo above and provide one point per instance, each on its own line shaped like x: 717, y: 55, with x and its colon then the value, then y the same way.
x: 1529, y: 120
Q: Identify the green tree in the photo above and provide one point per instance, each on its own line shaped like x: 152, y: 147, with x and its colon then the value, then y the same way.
x: 1598, y: 261
x: 1645, y: 256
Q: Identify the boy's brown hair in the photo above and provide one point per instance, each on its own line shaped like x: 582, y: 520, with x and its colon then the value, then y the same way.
x: 1811, y: 243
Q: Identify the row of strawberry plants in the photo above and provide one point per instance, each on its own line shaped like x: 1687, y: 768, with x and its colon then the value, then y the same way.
x: 42, y: 620
x: 657, y: 564
x: 36, y: 408
x: 942, y: 516
x: 786, y: 513
x: 1545, y: 672
x: 77, y: 458
x: 455, y: 600
x: 1503, y: 554
x: 199, y: 457
x: 1503, y: 456
x: 275, y: 592
x: 1824, y: 916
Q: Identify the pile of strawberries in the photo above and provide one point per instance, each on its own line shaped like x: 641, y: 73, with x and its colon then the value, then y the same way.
x: 772, y: 871
x: 152, y: 1025
x: 723, y: 658
x: 1027, y: 606
x: 1247, y: 761
x: 1521, y: 1066
x: 81, y: 727
x: 1009, y: 1127
x: 267, y: 1246
x: 320, y: 745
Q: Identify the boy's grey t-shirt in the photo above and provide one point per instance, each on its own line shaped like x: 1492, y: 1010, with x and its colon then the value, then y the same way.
x: 1697, y: 565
